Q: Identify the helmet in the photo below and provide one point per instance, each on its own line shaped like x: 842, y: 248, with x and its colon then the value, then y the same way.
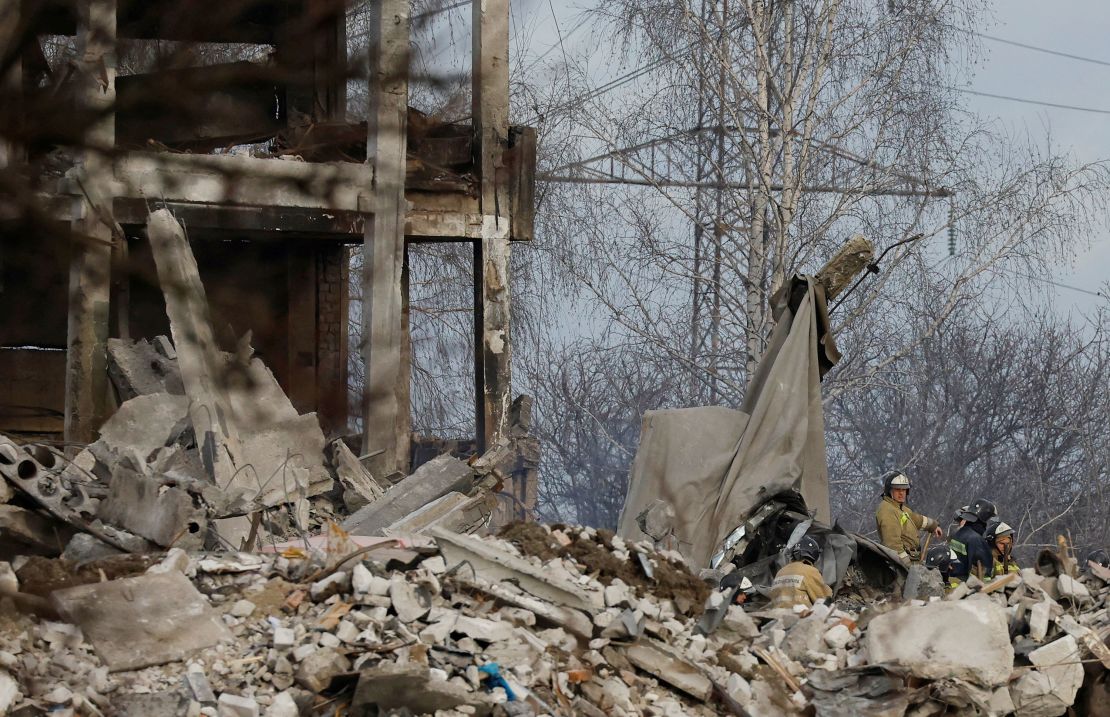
x: 806, y: 549
x: 980, y: 511
x: 895, y: 479
x: 997, y: 529
x: 938, y: 557
x: 1099, y: 556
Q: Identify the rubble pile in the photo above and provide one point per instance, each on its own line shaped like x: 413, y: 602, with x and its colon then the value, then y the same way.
x: 554, y: 620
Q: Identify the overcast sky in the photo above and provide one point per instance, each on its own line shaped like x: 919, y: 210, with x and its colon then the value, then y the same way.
x: 1077, y: 27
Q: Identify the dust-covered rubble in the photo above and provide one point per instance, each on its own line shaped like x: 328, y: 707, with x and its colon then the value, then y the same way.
x: 557, y: 620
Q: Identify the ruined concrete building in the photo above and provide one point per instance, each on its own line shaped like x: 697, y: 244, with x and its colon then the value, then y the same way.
x: 271, y: 233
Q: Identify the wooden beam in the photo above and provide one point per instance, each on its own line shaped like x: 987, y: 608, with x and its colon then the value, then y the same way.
x: 93, y: 229
x: 490, y: 108
x: 385, y: 412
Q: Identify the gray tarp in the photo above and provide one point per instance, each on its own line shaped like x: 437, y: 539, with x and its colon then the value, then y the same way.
x: 714, y: 465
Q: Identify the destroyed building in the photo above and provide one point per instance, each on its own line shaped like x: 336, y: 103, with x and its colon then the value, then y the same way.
x: 270, y: 231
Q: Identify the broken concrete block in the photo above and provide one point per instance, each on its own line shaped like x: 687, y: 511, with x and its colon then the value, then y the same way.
x: 337, y: 582
x: 360, y: 488
x: 930, y: 641
x: 283, y: 705
x: 199, y: 688
x: 316, y: 671
x: 617, y: 594
x: 284, y: 638
x: 150, y: 704
x: 230, y: 705
x: 84, y: 548
x: 430, y: 481
x: 146, y: 423
x: 657, y: 519
x: 573, y: 620
x: 138, y: 368
x: 1050, y: 689
x: 412, y: 687
x: 410, y: 602
x: 492, y: 564
x: 660, y: 662
x: 482, y: 629
x: 428, y: 515
x: 922, y: 583
x: 242, y: 608
x: 1039, y: 615
x: 838, y: 636
x: 142, y: 621
x: 1072, y: 591
x: 25, y: 532
x: 162, y: 514
x: 9, y: 692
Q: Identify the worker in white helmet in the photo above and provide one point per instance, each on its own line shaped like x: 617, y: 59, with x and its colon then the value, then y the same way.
x: 899, y: 527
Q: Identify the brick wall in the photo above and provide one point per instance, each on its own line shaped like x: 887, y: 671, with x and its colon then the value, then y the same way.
x: 332, y: 267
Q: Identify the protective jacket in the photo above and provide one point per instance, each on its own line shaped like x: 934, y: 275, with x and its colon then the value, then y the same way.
x: 899, y: 527
x: 972, y: 550
x: 1010, y: 567
x: 798, y: 583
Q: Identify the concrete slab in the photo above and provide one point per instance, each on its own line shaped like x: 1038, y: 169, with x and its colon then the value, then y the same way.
x: 138, y: 368
x: 142, y: 621
x: 430, y: 481
x: 931, y: 641
x: 144, y: 506
x: 146, y: 423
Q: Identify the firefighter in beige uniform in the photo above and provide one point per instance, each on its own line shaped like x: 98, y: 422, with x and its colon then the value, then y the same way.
x: 898, y: 525
x: 799, y: 582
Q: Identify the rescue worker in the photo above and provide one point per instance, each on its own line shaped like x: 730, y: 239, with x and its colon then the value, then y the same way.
x: 973, y: 553
x: 1000, y: 536
x: 1100, y: 557
x: 799, y: 582
x: 940, y: 557
x: 898, y: 525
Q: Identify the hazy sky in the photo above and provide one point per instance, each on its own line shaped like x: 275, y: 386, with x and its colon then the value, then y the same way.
x: 1077, y: 27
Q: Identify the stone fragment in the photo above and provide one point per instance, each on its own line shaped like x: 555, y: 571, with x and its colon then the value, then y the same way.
x: 1072, y: 591
x: 1038, y: 620
x: 922, y: 583
x: 361, y: 579
x: 283, y: 705
x: 410, y: 602
x: 284, y: 638
x: 359, y: 487
x: 230, y: 705
x: 657, y: 520
x: 617, y: 594
x: 198, y: 687
x: 242, y: 608
x: 1050, y: 689
x: 141, y: 621
x: 838, y: 636
x: 337, y: 582
x: 413, y: 688
x: 482, y: 629
x: 9, y: 692
x: 316, y: 671
x: 931, y: 641
x: 84, y: 548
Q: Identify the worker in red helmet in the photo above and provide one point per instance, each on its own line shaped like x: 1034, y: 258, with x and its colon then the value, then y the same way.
x: 898, y: 526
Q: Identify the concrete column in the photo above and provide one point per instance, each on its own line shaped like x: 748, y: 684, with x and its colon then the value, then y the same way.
x: 490, y: 58
x: 93, y: 229
x: 386, y: 417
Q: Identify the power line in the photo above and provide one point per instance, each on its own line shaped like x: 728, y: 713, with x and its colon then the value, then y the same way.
x: 1042, y: 279
x: 1028, y: 101
x: 1035, y: 48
